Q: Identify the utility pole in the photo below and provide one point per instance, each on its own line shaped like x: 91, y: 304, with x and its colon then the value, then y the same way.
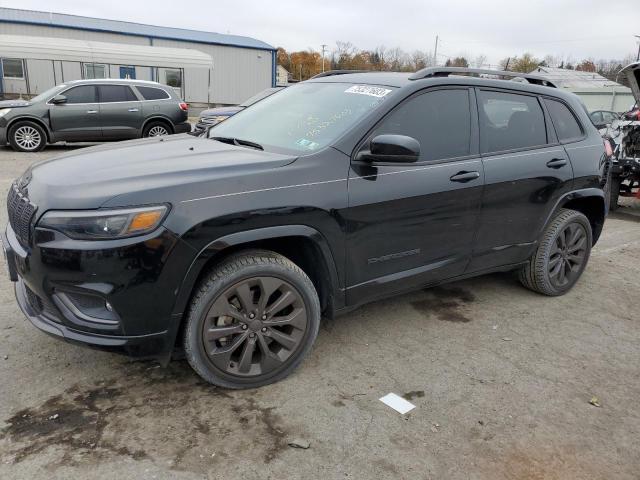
x: 435, y: 53
x: 638, y: 57
x: 324, y: 47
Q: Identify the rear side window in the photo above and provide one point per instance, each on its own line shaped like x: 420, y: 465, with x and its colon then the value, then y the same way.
x: 440, y: 120
x: 82, y: 94
x: 116, y: 93
x: 151, y: 93
x: 510, y: 121
x: 565, y: 123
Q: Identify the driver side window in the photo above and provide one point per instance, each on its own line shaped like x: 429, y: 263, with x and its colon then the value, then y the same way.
x: 440, y: 120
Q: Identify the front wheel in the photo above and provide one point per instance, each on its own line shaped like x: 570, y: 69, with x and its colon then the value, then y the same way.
x: 561, y: 256
x: 27, y: 137
x: 252, y: 321
x: 614, y: 193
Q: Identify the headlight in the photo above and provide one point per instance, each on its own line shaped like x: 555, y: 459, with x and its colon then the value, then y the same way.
x: 214, y: 120
x: 105, y: 224
x: 4, y: 111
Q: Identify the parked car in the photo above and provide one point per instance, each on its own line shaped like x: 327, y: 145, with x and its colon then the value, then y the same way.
x: 602, y: 118
x: 336, y: 192
x: 92, y: 111
x: 624, y: 138
x: 213, y: 116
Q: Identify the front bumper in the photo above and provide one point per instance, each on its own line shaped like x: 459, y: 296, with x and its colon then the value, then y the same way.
x: 133, y: 277
x: 3, y: 136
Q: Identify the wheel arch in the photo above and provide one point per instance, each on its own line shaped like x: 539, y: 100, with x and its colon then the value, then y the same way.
x: 36, y: 120
x: 303, y: 245
x: 590, y: 202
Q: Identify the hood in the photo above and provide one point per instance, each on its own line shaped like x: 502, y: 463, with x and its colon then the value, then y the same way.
x: 14, y: 103
x: 632, y: 74
x: 150, y: 170
x: 213, y: 112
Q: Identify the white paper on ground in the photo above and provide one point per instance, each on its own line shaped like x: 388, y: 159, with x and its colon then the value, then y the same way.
x: 398, y: 403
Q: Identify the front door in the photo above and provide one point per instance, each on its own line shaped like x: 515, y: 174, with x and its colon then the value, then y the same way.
x: 120, y: 112
x: 79, y: 118
x: 413, y: 224
x: 526, y: 172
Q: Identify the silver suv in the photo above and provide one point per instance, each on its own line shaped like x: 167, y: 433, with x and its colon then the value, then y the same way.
x: 92, y: 111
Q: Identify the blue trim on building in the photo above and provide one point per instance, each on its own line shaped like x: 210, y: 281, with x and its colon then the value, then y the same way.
x: 30, y: 17
x: 274, y: 68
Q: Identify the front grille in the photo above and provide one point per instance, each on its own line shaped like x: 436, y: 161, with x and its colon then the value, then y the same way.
x: 21, y: 212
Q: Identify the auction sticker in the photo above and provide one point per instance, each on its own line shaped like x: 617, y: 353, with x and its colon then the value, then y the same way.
x: 378, y: 92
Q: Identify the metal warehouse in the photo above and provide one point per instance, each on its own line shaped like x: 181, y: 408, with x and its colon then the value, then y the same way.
x: 236, y: 67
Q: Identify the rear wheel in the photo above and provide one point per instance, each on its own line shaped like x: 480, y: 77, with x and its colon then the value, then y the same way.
x: 156, y: 129
x: 27, y: 137
x: 561, y: 256
x: 614, y: 193
x: 252, y: 321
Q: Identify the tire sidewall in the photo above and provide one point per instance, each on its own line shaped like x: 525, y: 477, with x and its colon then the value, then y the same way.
x: 14, y: 144
x: 197, y: 315
x: 543, y: 255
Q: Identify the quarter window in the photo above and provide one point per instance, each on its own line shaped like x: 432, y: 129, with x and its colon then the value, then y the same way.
x: 95, y: 70
x: 565, y: 123
x: 13, y: 68
x: 440, y: 120
x: 116, y: 93
x: 151, y: 93
x: 82, y: 94
x: 510, y: 121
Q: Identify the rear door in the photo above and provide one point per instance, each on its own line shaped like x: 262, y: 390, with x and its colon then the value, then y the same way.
x: 412, y: 224
x: 120, y: 112
x: 526, y: 172
x: 78, y: 118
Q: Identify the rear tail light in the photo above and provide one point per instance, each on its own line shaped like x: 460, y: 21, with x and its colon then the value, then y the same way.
x: 183, y: 106
x: 607, y: 148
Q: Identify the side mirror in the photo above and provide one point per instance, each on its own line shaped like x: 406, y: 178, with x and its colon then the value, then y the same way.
x: 59, y: 99
x: 392, y: 148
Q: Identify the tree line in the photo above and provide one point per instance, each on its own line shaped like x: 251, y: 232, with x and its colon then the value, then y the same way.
x: 345, y: 56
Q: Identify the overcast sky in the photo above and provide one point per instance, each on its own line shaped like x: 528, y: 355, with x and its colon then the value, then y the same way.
x: 495, y: 28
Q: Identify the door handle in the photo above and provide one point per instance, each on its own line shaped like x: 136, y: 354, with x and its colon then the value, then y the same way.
x: 556, y: 163
x: 133, y: 110
x: 92, y: 111
x: 464, y: 176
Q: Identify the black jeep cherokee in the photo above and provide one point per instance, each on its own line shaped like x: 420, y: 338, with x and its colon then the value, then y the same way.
x: 335, y: 192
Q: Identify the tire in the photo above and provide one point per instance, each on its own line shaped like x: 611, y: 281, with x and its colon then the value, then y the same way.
x: 156, y: 128
x: 614, y: 193
x: 249, y: 343
x: 559, y: 261
x: 27, y: 136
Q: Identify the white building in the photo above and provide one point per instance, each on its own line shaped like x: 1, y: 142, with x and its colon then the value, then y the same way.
x: 596, y: 91
x: 282, y: 76
x: 242, y: 66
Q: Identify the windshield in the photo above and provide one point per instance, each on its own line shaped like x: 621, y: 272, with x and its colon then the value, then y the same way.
x: 304, y: 117
x: 259, y: 96
x: 47, y: 93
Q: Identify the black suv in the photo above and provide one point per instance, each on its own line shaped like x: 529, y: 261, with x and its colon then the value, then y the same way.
x: 335, y: 192
x: 92, y: 111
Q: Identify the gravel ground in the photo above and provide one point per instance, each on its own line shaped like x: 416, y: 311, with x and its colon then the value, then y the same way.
x: 502, y: 381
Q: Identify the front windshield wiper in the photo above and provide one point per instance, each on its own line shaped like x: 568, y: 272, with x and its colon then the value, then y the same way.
x: 239, y: 142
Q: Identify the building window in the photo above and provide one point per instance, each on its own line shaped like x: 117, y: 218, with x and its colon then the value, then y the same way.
x: 128, y: 72
x: 173, y: 78
x: 95, y: 70
x: 13, y: 68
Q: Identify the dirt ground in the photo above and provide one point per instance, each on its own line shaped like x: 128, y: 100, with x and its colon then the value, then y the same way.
x: 502, y: 380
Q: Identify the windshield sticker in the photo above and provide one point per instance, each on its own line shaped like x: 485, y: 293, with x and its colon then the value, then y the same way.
x: 308, y: 144
x: 377, y: 92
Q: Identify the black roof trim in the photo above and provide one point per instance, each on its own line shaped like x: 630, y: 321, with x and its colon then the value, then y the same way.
x: 331, y: 73
x: 446, y: 71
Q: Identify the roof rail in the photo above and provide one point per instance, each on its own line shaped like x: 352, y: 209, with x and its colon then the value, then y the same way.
x: 331, y: 73
x: 446, y: 71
